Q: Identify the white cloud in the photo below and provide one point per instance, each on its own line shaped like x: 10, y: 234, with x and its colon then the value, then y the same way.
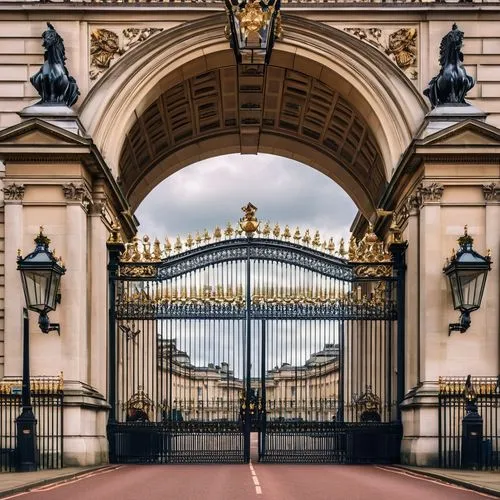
x: 212, y: 192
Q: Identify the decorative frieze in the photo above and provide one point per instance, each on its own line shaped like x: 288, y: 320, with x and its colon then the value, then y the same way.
x: 399, y: 45
x: 13, y: 191
x: 491, y: 192
x: 106, y: 46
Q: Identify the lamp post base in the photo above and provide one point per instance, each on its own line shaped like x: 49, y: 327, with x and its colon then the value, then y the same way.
x: 26, y: 441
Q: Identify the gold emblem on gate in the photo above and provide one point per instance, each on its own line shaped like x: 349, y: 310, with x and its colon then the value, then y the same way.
x: 249, y: 223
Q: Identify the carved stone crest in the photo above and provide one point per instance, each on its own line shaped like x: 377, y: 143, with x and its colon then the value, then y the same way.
x: 77, y: 192
x: 400, y: 45
x: 107, y: 46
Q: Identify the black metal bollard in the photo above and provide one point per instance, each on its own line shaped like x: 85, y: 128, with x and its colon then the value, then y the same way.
x: 472, y: 438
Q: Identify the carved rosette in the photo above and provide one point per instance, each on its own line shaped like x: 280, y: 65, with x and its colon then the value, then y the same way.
x: 399, y: 45
x: 491, y: 192
x: 13, y: 192
x: 77, y: 193
x: 107, y: 46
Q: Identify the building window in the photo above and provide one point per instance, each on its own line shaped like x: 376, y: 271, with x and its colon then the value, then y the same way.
x: 200, y: 392
x: 293, y: 391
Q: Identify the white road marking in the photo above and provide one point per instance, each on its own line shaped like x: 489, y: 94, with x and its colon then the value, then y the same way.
x: 258, y: 488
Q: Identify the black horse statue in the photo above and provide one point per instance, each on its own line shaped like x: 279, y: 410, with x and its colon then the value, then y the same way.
x: 52, y: 81
x: 452, y: 82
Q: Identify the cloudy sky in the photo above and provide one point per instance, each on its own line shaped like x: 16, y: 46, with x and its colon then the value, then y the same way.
x: 212, y: 192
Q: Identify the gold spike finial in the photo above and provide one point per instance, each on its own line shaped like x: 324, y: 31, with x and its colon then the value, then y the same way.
x: 286, y: 233
x: 267, y: 230
x: 297, y: 235
x: 178, y: 244
x: 206, y: 236
x: 189, y: 241
x: 331, y: 246
x: 307, y: 237
x: 249, y: 222
x: 168, y: 246
x: 342, y: 251
x: 217, y: 233
x: 277, y: 231
x: 316, y: 240
x: 229, y: 231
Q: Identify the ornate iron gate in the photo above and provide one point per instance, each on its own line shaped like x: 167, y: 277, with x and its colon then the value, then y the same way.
x: 255, y: 330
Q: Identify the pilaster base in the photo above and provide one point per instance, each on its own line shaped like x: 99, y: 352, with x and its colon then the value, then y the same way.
x: 420, y: 415
x: 85, y: 418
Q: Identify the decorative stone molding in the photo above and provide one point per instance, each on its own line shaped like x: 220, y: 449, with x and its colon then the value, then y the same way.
x: 429, y: 193
x: 422, y: 194
x: 107, y: 46
x: 77, y: 193
x: 491, y: 192
x: 399, y: 45
x: 13, y: 191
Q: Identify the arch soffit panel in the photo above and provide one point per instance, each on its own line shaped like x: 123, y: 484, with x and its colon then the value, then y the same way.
x: 389, y: 102
x: 209, y: 147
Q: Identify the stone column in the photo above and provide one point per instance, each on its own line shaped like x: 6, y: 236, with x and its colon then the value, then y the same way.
x: 14, y: 299
x: 98, y: 292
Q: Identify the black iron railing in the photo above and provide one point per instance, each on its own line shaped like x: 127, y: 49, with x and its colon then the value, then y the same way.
x: 48, y: 410
x: 452, y: 410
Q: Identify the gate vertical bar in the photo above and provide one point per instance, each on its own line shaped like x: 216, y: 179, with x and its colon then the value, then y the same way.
x: 248, y: 318
x: 115, y: 247
x: 263, y: 418
x: 398, y: 249
x: 340, y: 403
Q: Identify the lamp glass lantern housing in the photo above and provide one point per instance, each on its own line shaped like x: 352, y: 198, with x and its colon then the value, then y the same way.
x: 41, y: 275
x: 253, y: 26
x: 467, y: 271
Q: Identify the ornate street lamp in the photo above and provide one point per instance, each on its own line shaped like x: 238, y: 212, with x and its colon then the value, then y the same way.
x: 467, y: 272
x: 41, y: 274
x: 253, y: 26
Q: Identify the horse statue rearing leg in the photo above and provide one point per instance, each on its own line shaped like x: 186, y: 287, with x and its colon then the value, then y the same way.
x: 53, y: 82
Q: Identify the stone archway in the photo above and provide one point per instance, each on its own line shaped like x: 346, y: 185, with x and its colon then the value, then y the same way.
x: 326, y: 99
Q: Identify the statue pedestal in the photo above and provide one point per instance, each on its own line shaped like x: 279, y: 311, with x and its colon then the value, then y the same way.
x: 56, y: 114
x: 446, y: 115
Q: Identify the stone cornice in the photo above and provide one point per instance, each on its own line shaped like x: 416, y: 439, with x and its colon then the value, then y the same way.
x: 77, y: 193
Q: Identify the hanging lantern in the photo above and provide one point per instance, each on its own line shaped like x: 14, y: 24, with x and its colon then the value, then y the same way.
x: 253, y: 26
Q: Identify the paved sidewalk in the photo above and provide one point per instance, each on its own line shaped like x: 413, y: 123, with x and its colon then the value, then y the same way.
x: 15, y: 482
x: 483, y: 481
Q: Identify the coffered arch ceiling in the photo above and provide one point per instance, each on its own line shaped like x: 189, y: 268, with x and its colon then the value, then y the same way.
x: 250, y: 110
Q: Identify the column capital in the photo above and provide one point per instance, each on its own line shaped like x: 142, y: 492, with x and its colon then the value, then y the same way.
x: 13, y: 192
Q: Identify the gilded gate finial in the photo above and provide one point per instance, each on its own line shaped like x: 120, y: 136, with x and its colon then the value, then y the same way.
x: 249, y: 222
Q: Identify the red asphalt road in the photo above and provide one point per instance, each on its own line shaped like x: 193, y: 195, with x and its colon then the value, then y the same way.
x: 238, y: 482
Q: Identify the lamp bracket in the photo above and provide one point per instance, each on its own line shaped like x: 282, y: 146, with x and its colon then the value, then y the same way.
x: 462, y: 326
x: 46, y: 326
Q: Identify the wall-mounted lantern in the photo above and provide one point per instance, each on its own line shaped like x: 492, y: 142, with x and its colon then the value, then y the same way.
x: 41, y: 275
x: 253, y: 26
x: 467, y: 272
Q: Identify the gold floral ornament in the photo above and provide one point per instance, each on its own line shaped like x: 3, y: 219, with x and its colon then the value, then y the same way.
x: 253, y: 18
x: 249, y: 222
x: 115, y: 236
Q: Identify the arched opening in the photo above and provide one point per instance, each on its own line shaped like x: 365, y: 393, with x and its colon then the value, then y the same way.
x: 340, y: 106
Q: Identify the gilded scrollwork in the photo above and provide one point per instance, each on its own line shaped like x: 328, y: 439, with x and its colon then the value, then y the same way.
x: 107, y: 46
x: 13, y: 191
x: 400, y: 45
x: 138, y: 271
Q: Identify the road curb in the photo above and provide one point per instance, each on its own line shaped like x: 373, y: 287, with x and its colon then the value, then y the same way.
x: 51, y: 480
x: 451, y: 480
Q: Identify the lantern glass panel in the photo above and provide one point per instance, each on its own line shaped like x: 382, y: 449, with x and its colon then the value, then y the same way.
x: 52, y: 291
x: 455, y: 291
x: 472, y: 286
x: 36, y: 283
